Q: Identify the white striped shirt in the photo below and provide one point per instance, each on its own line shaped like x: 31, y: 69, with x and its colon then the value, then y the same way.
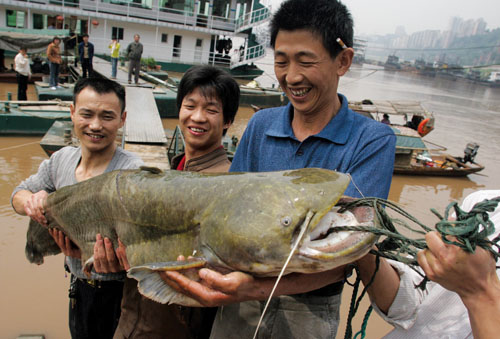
x: 59, y: 171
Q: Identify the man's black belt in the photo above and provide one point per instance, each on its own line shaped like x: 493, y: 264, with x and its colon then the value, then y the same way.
x: 101, y: 283
x: 327, y: 291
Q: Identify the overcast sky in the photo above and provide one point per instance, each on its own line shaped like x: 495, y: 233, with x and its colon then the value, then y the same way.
x: 383, y: 16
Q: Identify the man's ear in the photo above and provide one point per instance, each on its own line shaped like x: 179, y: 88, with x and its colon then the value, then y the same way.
x: 72, y: 111
x: 345, y: 59
x: 123, y: 117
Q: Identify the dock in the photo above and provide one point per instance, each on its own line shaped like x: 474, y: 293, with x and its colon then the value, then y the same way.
x: 143, y: 130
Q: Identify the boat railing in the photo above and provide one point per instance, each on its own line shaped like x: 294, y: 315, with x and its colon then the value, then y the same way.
x: 249, y: 55
x: 252, y: 18
x: 190, y: 18
x: 176, y: 145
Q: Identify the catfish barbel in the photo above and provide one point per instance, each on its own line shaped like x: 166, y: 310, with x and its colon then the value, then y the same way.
x: 230, y: 222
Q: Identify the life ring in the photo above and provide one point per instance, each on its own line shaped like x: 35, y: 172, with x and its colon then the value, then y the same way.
x: 423, y: 129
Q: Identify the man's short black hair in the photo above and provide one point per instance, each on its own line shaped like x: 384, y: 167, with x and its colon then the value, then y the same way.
x: 329, y: 19
x: 212, y: 82
x: 101, y: 86
x: 85, y: 35
x: 23, y: 48
x: 56, y: 38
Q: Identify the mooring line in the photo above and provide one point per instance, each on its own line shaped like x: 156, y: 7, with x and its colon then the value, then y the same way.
x: 17, y: 146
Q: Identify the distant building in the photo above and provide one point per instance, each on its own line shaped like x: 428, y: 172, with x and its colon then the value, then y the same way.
x: 359, y: 50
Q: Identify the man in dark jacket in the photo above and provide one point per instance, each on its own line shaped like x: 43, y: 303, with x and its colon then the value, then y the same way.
x: 86, y: 53
x: 134, y: 53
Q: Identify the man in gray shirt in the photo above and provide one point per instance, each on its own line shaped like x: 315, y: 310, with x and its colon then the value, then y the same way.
x: 134, y: 53
x: 97, y: 112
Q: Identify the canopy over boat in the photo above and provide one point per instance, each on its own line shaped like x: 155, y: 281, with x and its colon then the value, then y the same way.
x: 36, y: 40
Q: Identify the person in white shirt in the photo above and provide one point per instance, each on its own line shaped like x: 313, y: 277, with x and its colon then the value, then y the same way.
x: 461, y: 301
x: 22, y: 67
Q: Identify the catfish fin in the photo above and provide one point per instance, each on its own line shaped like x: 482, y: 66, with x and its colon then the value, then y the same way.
x: 152, y: 286
x: 154, y: 170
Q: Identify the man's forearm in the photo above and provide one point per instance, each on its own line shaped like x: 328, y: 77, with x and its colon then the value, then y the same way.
x: 484, y: 311
x: 385, y: 286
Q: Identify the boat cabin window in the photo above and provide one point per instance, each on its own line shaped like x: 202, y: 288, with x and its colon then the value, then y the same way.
x: 176, y: 52
x: 117, y: 32
x: 164, y: 37
x: 16, y: 19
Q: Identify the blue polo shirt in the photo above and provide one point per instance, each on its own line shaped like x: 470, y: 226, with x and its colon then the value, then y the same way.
x: 350, y: 143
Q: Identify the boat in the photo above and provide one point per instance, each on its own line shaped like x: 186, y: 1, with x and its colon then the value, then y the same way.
x: 31, y: 117
x: 410, y: 121
x: 401, y: 113
x: 392, y: 63
x: 420, y: 161
x: 176, y: 34
x: 165, y: 94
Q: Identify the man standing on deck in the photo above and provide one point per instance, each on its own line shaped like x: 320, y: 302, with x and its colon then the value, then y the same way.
x: 207, y: 99
x: 97, y: 112
x: 86, y: 53
x: 22, y: 67
x: 54, y: 56
x: 134, y: 53
x: 317, y: 129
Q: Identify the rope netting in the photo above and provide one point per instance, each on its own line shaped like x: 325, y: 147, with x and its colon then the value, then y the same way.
x: 468, y: 230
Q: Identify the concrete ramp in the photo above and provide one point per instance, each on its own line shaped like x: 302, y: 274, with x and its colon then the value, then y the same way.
x: 143, y: 124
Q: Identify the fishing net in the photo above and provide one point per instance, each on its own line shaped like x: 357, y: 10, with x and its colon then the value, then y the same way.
x: 468, y: 231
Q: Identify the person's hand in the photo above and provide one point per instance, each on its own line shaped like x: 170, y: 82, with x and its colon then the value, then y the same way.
x: 35, y: 207
x: 214, y: 289
x: 105, y: 259
x: 121, y: 254
x: 65, y: 244
x: 454, y: 269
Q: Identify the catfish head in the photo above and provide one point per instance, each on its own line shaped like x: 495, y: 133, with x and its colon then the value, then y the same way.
x: 256, y: 225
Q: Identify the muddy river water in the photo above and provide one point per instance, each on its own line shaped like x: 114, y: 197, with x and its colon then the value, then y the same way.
x: 34, y: 298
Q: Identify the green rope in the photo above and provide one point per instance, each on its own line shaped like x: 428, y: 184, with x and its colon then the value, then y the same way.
x: 470, y: 229
x: 362, y: 331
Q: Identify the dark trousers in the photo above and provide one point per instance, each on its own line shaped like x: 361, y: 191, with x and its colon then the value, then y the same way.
x: 94, y: 311
x: 86, y: 68
x: 22, y: 86
x: 54, y: 74
x: 135, y: 67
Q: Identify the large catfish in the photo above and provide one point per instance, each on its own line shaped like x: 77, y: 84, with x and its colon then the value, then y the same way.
x: 233, y: 221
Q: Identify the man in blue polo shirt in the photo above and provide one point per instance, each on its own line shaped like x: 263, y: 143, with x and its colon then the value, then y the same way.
x: 317, y: 129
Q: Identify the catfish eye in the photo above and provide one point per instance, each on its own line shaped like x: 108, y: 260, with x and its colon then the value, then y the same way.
x: 286, y: 221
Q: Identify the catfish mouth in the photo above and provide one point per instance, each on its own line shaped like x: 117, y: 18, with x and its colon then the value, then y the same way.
x: 325, y: 242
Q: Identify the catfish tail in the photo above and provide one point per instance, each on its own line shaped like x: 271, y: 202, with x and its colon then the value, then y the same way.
x: 39, y: 243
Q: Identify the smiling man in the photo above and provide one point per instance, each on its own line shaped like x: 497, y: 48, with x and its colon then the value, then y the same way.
x: 312, y: 50
x: 207, y: 99
x: 97, y: 112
